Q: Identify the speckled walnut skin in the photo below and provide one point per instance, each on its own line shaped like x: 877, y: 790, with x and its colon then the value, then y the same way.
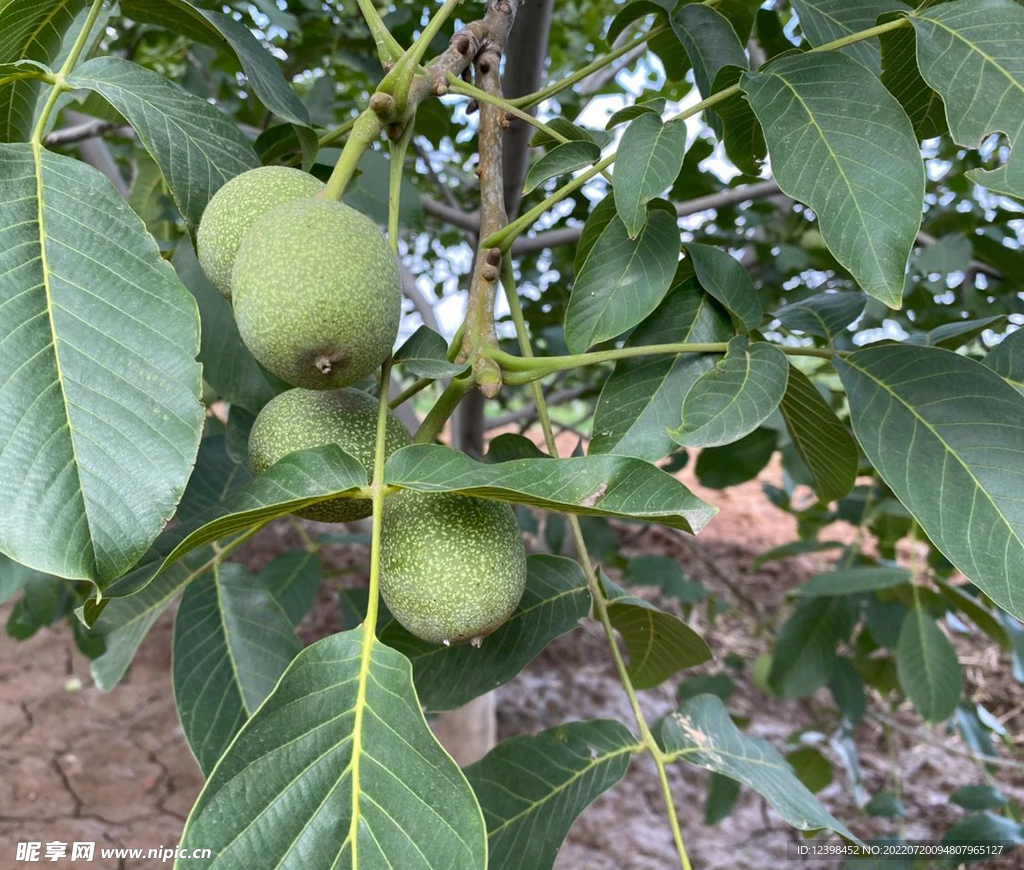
x: 317, y: 295
x: 301, y: 419
x: 452, y: 568
x: 233, y: 210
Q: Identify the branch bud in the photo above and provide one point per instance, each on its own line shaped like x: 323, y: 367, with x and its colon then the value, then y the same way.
x: 382, y: 104
x: 494, y: 256
x: 489, y: 273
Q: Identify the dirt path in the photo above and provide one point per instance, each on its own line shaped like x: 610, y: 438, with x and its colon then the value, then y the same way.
x: 80, y: 765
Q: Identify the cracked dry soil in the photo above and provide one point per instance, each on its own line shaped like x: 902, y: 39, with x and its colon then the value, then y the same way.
x: 80, y: 765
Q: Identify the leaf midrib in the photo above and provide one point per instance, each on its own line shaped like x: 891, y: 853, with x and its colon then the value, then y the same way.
x: 44, y: 263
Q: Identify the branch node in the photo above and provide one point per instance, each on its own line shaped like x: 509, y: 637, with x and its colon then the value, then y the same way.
x: 383, y: 104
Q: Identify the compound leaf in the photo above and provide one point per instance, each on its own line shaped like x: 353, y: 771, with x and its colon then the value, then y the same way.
x: 231, y: 643
x: 826, y: 20
x: 945, y: 433
x: 303, y: 478
x: 927, y: 667
x: 425, y: 354
x: 824, y: 314
x: 1007, y: 359
x: 563, y: 158
x: 196, y: 146
x: 735, y: 397
x: 556, y: 598
x: 660, y: 644
x: 620, y: 280
x: 842, y: 144
x: 294, y: 579
x: 125, y: 622
x: 970, y: 52
x: 338, y: 768
x: 724, y: 277
x: 642, y: 397
x: 100, y: 417
x: 30, y: 31
x: 618, y: 486
x: 849, y: 581
x: 649, y: 157
x: 532, y: 788
x: 823, y: 442
x: 701, y: 733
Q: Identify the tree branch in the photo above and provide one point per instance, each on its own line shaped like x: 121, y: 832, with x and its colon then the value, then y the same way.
x: 86, y: 130
x: 419, y: 302
x: 480, y: 337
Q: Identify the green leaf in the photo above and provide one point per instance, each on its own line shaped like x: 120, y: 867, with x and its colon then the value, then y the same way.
x: 805, y: 650
x: 710, y: 42
x: 793, y: 548
x: 736, y: 124
x: 612, y: 486
x: 556, y: 598
x: 642, y: 397
x: 958, y: 333
x: 338, y: 768
x: 927, y: 667
x: 824, y: 314
x: 635, y: 10
x: 655, y: 105
x: 849, y: 581
x: 810, y: 767
x: 425, y: 354
x: 1007, y: 359
x: 986, y: 829
x: 621, y: 281
x: 532, y: 788
x: 922, y: 408
x: 100, y: 415
x: 826, y: 20
x: 301, y: 479
x: 560, y: 160
x: 978, y: 613
x: 215, y: 476
x: 970, y: 53
x: 659, y: 644
x: 13, y: 577
x: 823, y: 442
x: 125, y: 622
x: 196, y: 146
x: 842, y: 144
x: 648, y: 159
x: 294, y: 580
x: 219, y: 30
x: 722, y: 795
x: 885, y: 805
x: 228, y: 366
x: 29, y: 30
x: 510, y: 445
x: 231, y: 643
x: 735, y: 397
x: 847, y: 690
x: 701, y: 733
x: 724, y: 277
x: 721, y: 467
x: 665, y: 573
x: 903, y: 80
x: 979, y: 797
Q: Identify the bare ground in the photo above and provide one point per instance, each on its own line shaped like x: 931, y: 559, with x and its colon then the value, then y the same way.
x: 80, y: 765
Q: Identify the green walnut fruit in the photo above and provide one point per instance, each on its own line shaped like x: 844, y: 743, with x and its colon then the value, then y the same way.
x: 233, y: 210
x: 452, y: 568
x: 301, y: 419
x: 317, y: 295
